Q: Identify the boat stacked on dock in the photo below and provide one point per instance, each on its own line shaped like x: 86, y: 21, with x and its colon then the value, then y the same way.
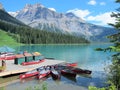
x: 7, y: 56
x: 32, y: 62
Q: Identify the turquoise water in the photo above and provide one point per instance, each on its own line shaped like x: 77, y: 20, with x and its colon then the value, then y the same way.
x: 84, y: 54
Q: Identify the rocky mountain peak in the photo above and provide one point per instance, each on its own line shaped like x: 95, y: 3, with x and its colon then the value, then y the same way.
x: 37, y: 12
x: 43, y: 18
x: 37, y: 5
x: 27, y: 5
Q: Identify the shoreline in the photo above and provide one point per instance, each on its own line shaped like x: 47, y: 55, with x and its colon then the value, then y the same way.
x: 9, y: 82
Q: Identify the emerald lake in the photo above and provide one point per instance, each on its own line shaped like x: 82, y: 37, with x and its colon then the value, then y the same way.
x: 84, y: 54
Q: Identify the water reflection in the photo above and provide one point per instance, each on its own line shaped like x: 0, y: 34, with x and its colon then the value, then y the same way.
x: 79, y: 80
x: 70, y: 78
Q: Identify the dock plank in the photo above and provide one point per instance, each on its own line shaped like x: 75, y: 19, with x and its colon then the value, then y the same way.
x: 12, y: 68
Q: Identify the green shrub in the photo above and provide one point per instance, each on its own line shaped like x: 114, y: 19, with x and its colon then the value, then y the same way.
x: 111, y: 87
x: 95, y: 88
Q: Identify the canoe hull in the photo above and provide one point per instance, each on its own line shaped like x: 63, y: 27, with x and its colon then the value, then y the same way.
x: 40, y: 76
x: 71, y: 64
x: 55, y: 75
x: 81, y: 71
x: 68, y: 73
x: 27, y: 75
x: 32, y: 62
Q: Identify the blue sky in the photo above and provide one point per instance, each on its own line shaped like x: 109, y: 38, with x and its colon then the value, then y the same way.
x: 93, y: 11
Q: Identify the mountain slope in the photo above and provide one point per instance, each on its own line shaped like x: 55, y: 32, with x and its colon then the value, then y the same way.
x: 40, y: 17
x: 43, y: 18
x: 4, y: 16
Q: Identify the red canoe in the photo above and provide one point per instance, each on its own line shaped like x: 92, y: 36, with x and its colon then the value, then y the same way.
x: 43, y: 74
x: 71, y: 64
x: 7, y: 56
x: 68, y: 72
x: 81, y: 71
x: 28, y: 74
x: 32, y: 62
x: 10, y: 57
x: 65, y: 66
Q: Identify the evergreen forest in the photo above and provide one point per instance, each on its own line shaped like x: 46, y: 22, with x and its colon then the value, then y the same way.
x: 27, y: 35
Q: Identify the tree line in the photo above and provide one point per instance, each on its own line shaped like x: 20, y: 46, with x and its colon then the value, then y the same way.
x: 28, y: 35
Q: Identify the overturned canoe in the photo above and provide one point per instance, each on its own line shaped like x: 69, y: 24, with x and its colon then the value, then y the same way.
x: 68, y: 73
x: 32, y: 62
x: 81, y: 71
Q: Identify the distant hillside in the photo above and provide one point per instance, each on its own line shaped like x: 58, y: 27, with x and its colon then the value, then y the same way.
x: 4, y: 16
x: 5, y: 39
x: 29, y: 35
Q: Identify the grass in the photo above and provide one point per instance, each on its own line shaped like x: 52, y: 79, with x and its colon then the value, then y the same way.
x: 43, y: 87
x: 5, y: 39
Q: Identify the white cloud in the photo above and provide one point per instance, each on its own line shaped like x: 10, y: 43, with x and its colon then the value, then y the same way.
x: 92, y: 2
x: 102, y: 19
x: 102, y: 3
x: 80, y: 13
x: 53, y: 9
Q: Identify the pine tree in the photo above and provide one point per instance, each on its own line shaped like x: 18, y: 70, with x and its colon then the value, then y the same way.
x: 115, y: 38
x: 114, y: 69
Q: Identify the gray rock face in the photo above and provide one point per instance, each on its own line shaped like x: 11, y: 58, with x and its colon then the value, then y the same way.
x: 38, y: 16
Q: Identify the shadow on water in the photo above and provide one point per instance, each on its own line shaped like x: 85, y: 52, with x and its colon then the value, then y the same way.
x: 86, y: 80
x: 97, y: 79
x: 69, y: 78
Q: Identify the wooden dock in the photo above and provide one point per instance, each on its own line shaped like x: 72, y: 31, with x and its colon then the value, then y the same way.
x: 12, y: 68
